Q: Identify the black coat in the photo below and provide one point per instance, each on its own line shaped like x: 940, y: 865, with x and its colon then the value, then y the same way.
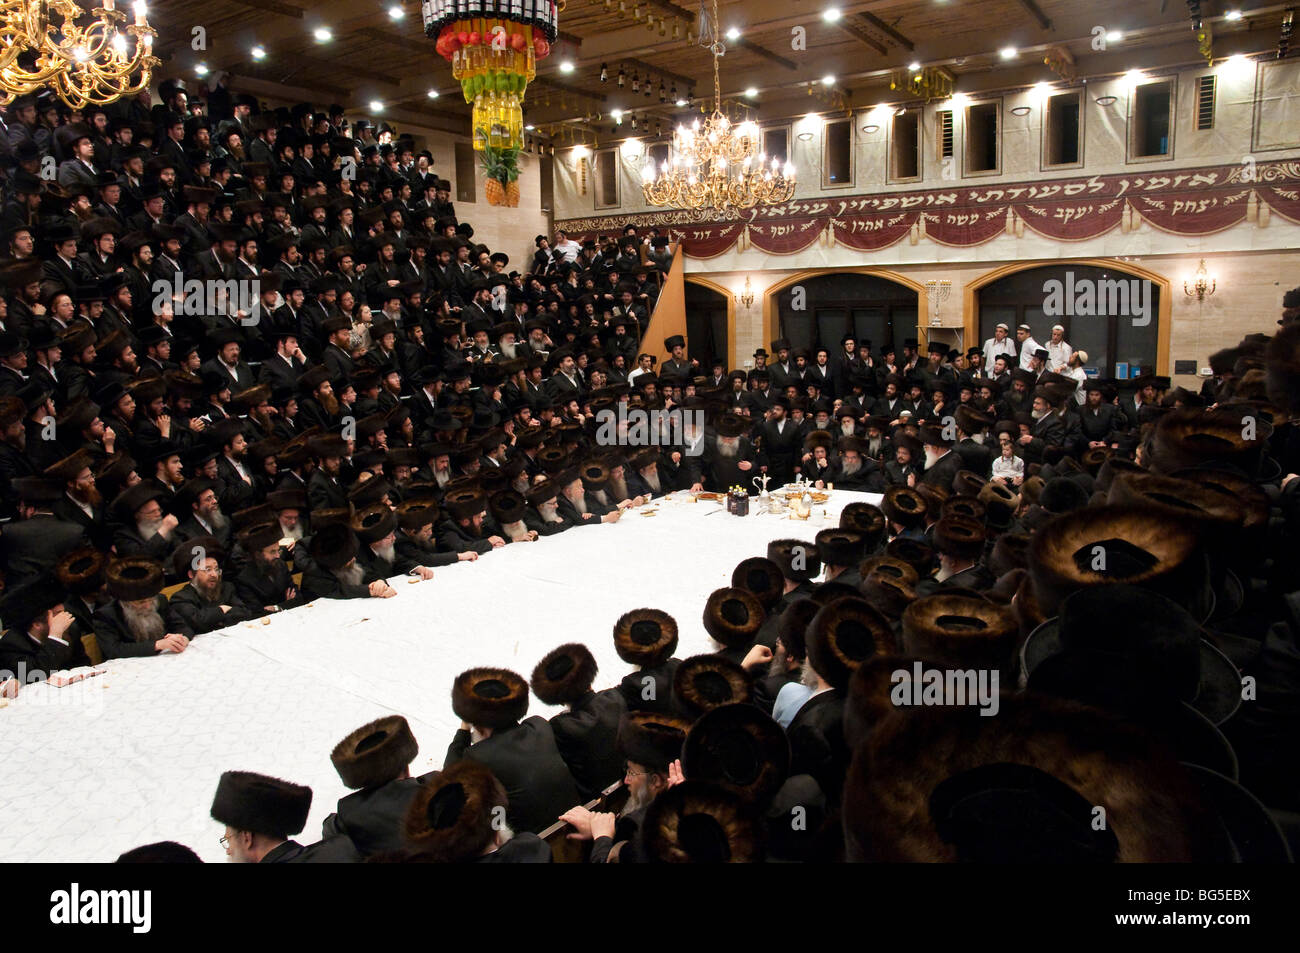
x: 332, y: 850
x: 817, y: 745
x: 257, y: 590
x: 32, y: 546
x: 943, y: 471
x: 374, y: 818
x: 587, y: 737
x: 654, y: 695
x: 115, y: 639
x: 37, y: 660
x: 526, y: 760
x: 190, y: 614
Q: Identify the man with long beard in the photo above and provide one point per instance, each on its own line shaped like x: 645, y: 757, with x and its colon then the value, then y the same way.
x: 264, y: 584
x: 336, y: 573
x: 652, y: 744
x: 730, y: 459
x: 319, y: 407
x: 376, y: 529
x: 144, y: 528
x: 205, y: 515
x: 208, y: 602
x: 573, y: 505
x: 414, y: 543
x: 543, y: 510
x: 644, y: 480
x: 291, y: 514
x: 856, y: 470
x: 616, y: 487
x: 133, y: 624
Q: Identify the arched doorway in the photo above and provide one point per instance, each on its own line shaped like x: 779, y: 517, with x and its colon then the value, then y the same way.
x: 817, y: 309
x: 709, y: 317
x: 1117, y: 312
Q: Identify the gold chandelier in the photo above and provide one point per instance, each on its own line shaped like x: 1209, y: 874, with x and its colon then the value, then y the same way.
x: 42, y: 44
x: 716, y: 167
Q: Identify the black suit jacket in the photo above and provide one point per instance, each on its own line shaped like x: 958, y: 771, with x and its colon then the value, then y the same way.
x: 373, y: 819
x: 526, y: 760
x: 32, y: 546
x: 587, y: 737
x: 817, y: 745
x: 115, y: 639
x: 37, y: 660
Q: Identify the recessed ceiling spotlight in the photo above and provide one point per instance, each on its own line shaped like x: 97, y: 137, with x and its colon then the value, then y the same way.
x: 1232, y: 15
x: 751, y: 92
x: 681, y: 103
x: 1114, y: 36
x: 530, y: 127
x: 201, y: 69
x: 1008, y: 52
x: 433, y: 94
x: 322, y: 34
x: 566, y: 66
x: 376, y: 106
x: 914, y: 67
x: 828, y: 80
x: 831, y: 14
x: 733, y: 33
x: 258, y: 53
x: 396, y: 12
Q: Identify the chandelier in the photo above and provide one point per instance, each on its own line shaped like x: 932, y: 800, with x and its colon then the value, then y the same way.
x: 715, y: 167
x: 42, y: 44
x: 933, y: 82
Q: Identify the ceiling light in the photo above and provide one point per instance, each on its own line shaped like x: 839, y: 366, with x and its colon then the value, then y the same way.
x: 831, y: 14
x: 1133, y: 77
x: 566, y: 66
x: 871, y: 127
x: 751, y: 92
x: 681, y: 104
x: 396, y: 12
x: 1105, y: 100
x: 617, y: 114
x: 828, y: 80
x: 805, y: 136
x: 201, y: 69
x: 733, y: 33
x: 1008, y: 52
x: 1020, y: 111
x: 1114, y: 36
x: 376, y: 106
x: 258, y: 53
x: 322, y: 34
x: 530, y: 127
x: 1232, y: 15
x: 914, y: 67
x: 433, y: 94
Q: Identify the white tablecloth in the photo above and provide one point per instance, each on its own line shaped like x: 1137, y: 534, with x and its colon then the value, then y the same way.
x: 133, y: 756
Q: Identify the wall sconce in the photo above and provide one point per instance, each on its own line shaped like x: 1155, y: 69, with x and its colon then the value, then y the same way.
x: 1202, y: 283
x: 747, y: 298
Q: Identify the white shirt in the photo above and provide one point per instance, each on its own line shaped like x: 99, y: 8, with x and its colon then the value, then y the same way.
x: 569, y: 248
x: 993, y: 347
x: 1058, y: 356
x: 1027, y: 348
x: 1007, y: 469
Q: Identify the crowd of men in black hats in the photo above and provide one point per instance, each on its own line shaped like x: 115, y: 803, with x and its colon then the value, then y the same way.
x: 394, y: 400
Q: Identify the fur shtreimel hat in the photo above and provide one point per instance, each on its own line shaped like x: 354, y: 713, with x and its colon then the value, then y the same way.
x: 898, y: 809
x: 891, y: 567
x: 840, y: 547
x: 796, y: 558
x: 652, y: 739
x: 703, y: 682
x: 261, y: 804
x: 334, y: 546
x: 564, y: 675
x: 865, y: 519
x: 450, y: 817
x: 912, y: 551
x: 1185, y: 438
x: 959, y: 537
x: 904, y: 506
x: 699, y: 823
x: 843, y: 635
x: 792, y: 627
x: 490, y: 697
x: 376, y: 753
x: 739, y: 748
x: 81, y: 571
x: 135, y: 577
x: 888, y: 594
x: 645, y: 637
x: 733, y: 616
x: 760, y: 576
x: 374, y: 523
x: 962, y: 631
x: 1132, y: 544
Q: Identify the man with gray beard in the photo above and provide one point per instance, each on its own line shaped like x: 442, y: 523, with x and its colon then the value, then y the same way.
x: 508, y: 509
x: 855, y: 470
x: 616, y: 487
x: 543, y: 510
x: 336, y: 573
x: 144, y: 529
x: 644, y: 480
x: 729, y: 458
x: 652, y: 744
x: 132, y: 625
x: 206, y: 517
x: 208, y: 602
x: 572, y: 502
x: 376, y: 531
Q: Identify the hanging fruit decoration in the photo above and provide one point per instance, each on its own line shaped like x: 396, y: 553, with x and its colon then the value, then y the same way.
x: 493, y: 47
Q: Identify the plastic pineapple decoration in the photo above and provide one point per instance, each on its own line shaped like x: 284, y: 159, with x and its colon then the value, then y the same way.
x: 501, y: 166
x: 493, y: 47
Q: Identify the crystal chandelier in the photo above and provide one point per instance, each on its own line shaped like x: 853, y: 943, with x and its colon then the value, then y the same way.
x: 717, y: 168
x: 42, y: 44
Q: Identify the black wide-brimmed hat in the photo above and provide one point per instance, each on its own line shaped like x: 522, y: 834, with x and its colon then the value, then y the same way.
x: 490, y: 697
x: 375, y: 753
x: 1143, y: 639
x: 760, y: 576
x: 843, y: 635
x: 261, y: 804
x: 733, y: 616
x: 564, y: 675
x: 703, y: 682
x: 652, y: 739
x: 699, y: 823
x: 645, y: 637
x: 740, y: 748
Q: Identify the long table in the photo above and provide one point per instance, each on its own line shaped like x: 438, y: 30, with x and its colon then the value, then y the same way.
x: 133, y: 756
